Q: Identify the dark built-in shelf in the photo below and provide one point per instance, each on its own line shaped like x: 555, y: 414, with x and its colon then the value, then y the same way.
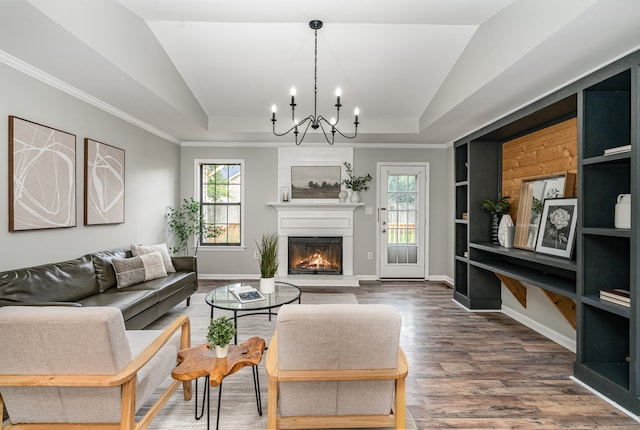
x: 462, y: 258
x: 612, y: 232
x: 530, y: 256
x: 613, y: 158
x: 594, y: 300
x: 547, y: 281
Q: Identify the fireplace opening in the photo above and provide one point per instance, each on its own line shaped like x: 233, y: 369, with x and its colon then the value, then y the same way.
x: 315, y: 255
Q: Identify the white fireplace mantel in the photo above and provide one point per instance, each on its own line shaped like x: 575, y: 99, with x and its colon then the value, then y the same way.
x: 313, y: 206
x: 316, y: 219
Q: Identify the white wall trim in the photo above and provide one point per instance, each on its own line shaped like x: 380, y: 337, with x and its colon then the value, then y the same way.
x: 441, y: 278
x: 56, y: 83
x: 388, y: 145
x: 558, y: 338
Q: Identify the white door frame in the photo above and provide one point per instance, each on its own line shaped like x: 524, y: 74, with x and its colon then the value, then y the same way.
x: 425, y: 230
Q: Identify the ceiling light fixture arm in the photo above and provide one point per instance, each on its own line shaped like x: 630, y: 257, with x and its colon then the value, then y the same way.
x: 315, y: 121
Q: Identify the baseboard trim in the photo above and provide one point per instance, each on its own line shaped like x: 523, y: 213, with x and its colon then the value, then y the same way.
x: 441, y: 278
x: 558, y: 338
x: 606, y: 399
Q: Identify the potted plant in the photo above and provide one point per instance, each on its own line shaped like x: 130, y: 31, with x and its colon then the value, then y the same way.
x: 220, y: 334
x: 268, y: 250
x: 186, y: 222
x: 495, y: 208
x: 355, y: 183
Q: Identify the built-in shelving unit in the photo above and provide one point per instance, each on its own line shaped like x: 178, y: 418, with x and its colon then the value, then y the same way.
x: 607, y: 346
x: 607, y: 107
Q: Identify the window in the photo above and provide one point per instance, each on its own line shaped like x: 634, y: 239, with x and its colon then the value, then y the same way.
x: 221, y: 194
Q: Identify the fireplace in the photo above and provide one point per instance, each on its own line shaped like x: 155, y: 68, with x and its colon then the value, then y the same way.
x: 315, y: 255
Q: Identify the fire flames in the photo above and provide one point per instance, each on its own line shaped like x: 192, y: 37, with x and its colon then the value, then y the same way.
x: 315, y: 261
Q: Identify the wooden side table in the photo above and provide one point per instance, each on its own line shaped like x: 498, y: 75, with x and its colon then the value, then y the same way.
x: 199, y: 361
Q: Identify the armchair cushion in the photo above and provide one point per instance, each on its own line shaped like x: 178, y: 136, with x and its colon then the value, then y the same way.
x: 340, y: 337
x: 75, y: 341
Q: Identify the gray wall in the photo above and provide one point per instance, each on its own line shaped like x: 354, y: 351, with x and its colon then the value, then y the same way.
x: 152, y: 175
x: 261, y: 166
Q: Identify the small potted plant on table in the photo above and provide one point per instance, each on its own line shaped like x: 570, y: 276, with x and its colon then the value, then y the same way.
x: 220, y: 334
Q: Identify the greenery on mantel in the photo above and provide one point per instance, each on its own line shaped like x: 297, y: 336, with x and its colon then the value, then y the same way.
x: 497, y: 207
x: 356, y: 183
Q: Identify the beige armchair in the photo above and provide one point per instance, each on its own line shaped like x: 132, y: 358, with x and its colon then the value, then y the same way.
x: 336, y: 366
x: 69, y: 367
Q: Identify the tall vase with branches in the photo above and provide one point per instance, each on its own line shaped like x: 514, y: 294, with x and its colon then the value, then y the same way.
x: 187, y: 222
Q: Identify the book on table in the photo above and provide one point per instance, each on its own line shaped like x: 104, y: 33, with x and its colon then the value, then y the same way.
x: 246, y: 293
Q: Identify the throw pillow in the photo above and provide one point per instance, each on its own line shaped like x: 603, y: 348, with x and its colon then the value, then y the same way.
x: 134, y: 270
x: 138, y: 250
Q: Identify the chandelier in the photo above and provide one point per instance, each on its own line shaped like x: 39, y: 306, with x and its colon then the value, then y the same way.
x: 315, y: 121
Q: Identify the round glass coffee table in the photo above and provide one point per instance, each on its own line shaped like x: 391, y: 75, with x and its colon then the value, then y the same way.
x: 222, y: 298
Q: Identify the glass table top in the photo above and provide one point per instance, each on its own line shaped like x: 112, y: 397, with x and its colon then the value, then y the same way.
x: 222, y: 298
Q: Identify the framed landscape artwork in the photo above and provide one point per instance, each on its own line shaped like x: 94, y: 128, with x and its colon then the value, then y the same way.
x: 315, y: 182
x: 42, y: 176
x: 103, y: 183
x: 557, y: 232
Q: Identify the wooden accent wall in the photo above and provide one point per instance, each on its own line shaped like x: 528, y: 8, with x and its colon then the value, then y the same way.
x: 544, y: 152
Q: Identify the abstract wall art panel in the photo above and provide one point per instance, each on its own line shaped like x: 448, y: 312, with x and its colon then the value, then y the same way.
x: 42, y: 176
x: 103, y: 183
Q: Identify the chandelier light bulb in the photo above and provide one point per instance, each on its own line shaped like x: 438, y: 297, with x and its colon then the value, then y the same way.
x: 333, y: 121
x: 356, y: 111
x: 293, y: 91
x: 274, y: 108
x: 338, y: 92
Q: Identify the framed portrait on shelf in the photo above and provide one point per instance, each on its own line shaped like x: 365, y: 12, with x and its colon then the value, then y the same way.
x: 42, y: 176
x: 556, y: 235
x: 103, y: 183
x: 315, y: 182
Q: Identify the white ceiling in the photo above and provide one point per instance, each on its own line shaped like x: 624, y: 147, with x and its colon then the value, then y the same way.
x: 420, y: 71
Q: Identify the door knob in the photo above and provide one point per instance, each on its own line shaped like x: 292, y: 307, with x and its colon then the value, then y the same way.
x: 384, y: 230
x: 384, y: 223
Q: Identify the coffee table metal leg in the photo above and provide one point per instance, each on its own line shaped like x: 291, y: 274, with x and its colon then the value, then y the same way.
x: 256, y: 386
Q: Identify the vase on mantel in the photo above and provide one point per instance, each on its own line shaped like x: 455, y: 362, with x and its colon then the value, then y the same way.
x: 505, y: 231
x: 355, y: 197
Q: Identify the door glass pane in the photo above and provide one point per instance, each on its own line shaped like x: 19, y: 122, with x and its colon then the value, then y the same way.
x: 392, y: 184
x: 402, y: 255
x: 402, y: 183
x: 392, y: 254
x: 413, y: 254
x: 391, y: 201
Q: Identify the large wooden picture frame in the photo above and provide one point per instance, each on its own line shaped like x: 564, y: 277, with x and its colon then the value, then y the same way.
x: 557, y: 232
x: 103, y: 183
x: 533, y: 192
x: 42, y: 176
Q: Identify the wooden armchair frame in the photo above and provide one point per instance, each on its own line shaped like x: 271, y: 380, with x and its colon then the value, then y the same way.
x: 126, y: 379
x: 396, y: 419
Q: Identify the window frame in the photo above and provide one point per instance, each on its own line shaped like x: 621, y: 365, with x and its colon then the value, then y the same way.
x: 198, y: 162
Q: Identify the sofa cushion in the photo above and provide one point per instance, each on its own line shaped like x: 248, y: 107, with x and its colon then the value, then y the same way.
x: 104, y: 268
x: 130, y: 303
x: 134, y: 270
x: 168, y: 285
x: 67, y: 281
x: 138, y: 250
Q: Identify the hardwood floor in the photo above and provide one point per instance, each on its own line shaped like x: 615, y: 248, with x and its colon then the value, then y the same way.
x: 482, y: 370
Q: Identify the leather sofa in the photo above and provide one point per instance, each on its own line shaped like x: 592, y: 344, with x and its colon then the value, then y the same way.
x: 90, y: 280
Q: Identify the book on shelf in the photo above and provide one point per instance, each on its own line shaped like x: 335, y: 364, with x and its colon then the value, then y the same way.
x: 617, y: 293
x: 617, y: 150
x: 246, y: 293
x: 616, y: 301
x: 618, y: 296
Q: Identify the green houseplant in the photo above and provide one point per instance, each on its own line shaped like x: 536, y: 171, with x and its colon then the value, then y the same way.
x: 268, y: 251
x: 495, y: 208
x: 220, y: 334
x: 355, y: 183
x: 186, y: 222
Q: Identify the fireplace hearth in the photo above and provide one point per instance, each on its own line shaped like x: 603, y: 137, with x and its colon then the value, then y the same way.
x: 315, y: 255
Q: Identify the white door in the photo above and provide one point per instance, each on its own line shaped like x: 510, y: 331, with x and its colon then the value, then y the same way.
x: 402, y: 219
